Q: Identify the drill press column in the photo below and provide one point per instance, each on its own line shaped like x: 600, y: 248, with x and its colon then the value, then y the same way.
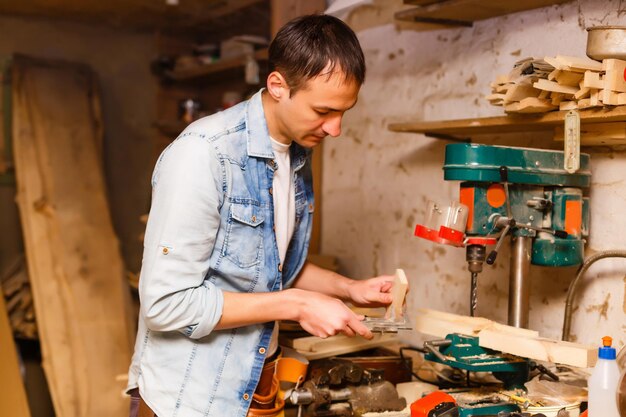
x: 519, y: 281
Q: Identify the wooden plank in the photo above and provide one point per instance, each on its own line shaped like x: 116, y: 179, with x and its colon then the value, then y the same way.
x: 579, y: 64
x: 80, y: 293
x: 13, y: 401
x: 440, y: 324
x: 541, y: 349
x: 519, y: 92
x: 504, y: 124
x: 522, y: 342
x: 543, y: 84
x: 592, y: 80
x: 531, y: 105
x: 313, y: 347
x: 216, y: 68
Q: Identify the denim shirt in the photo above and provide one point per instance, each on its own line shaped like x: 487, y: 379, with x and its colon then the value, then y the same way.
x: 210, y: 230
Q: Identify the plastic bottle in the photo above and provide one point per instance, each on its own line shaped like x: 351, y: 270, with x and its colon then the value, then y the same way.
x: 602, y: 383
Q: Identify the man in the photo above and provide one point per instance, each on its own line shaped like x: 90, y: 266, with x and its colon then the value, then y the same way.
x: 229, y: 228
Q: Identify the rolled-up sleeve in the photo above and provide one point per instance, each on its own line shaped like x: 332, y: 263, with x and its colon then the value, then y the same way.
x: 180, y: 237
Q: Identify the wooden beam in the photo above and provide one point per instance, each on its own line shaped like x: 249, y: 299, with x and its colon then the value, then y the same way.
x: 516, y: 341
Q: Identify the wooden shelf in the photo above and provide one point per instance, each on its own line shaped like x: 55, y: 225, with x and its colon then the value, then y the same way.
x: 506, y: 124
x: 435, y: 14
x: 218, y: 67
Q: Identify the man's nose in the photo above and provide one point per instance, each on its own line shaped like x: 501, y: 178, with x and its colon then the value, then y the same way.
x: 332, y: 126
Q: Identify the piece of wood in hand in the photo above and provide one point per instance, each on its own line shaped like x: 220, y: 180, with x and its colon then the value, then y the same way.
x: 398, y: 294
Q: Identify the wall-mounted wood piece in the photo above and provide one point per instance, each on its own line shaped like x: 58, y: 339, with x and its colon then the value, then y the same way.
x: 80, y: 293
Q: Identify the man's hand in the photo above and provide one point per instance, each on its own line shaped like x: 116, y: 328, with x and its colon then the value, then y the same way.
x: 325, y: 316
x: 373, y: 292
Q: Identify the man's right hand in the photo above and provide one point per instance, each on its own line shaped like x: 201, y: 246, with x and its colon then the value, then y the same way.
x: 324, y: 316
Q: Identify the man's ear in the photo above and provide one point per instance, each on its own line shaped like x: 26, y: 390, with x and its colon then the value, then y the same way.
x: 277, y: 86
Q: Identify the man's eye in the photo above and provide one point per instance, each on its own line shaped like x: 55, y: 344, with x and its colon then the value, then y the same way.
x: 321, y: 113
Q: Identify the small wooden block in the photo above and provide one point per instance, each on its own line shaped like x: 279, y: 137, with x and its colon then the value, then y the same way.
x: 594, y: 97
x: 398, y: 293
x: 615, y: 78
x: 568, y: 105
x: 556, y: 98
x: 582, y: 93
x: 543, y: 84
x: 592, y: 80
x: 553, y: 74
x: 609, y: 98
x: 554, y: 62
x: 568, y: 78
x: 621, y: 98
x: 584, y: 103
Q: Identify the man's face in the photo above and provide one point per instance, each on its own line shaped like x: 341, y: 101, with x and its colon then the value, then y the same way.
x: 316, y: 110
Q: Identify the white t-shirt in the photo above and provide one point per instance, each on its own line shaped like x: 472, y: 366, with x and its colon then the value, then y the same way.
x: 284, y: 196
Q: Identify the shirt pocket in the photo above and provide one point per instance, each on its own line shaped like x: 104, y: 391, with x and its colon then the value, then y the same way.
x: 244, y: 236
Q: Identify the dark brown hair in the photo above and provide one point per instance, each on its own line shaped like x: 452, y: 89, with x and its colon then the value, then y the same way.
x: 305, y: 46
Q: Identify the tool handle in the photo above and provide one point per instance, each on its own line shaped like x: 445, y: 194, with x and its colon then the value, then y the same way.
x: 491, y: 258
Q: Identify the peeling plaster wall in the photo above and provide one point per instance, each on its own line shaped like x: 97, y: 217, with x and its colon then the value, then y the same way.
x: 376, y: 183
x: 121, y: 61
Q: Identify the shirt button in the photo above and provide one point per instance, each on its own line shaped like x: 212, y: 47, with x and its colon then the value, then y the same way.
x: 271, y: 191
x: 262, y: 351
x: 253, y: 218
x: 280, y: 267
x: 246, y: 397
x: 310, y: 206
x: 166, y: 251
x: 274, y: 227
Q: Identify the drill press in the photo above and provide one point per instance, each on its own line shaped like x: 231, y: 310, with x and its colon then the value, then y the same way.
x: 523, y: 193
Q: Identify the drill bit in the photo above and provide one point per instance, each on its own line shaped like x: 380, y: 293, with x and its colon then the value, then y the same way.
x: 474, y: 293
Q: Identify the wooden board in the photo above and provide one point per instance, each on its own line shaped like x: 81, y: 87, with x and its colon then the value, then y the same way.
x: 13, y: 401
x: 313, y: 347
x: 522, y: 342
x: 82, y: 300
x: 469, y: 10
x: 504, y: 124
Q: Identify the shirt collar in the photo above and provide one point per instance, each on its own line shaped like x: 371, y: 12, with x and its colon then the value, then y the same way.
x: 258, y: 138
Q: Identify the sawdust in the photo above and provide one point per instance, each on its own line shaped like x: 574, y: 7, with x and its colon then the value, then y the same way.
x: 602, y: 309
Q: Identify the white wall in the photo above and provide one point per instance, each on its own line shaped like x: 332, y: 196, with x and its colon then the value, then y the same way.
x: 377, y: 182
